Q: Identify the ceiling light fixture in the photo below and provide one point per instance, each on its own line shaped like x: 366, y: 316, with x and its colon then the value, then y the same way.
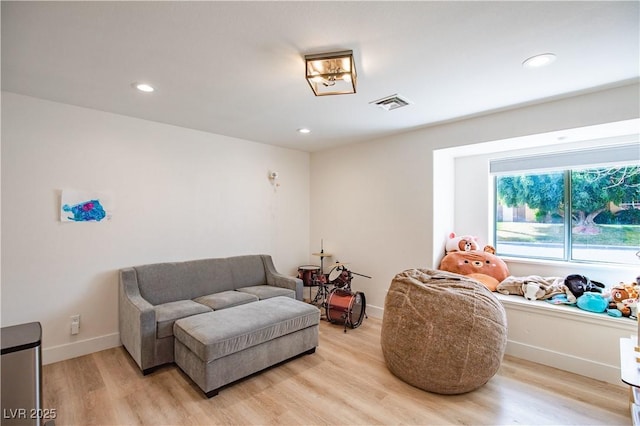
x: 144, y: 87
x: 331, y: 73
x: 304, y: 131
x: 538, y: 61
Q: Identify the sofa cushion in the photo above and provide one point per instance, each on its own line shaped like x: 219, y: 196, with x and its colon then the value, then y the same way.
x: 163, y: 282
x: 267, y: 291
x: 217, y: 334
x: 247, y: 271
x: 226, y: 299
x: 167, y: 282
x: 167, y: 313
x: 209, y: 276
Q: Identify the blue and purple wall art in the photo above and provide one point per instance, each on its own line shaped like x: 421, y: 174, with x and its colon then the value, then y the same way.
x: 84, y: 206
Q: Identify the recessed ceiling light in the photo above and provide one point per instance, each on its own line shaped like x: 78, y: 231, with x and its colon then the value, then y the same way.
x: 538, y: 61
x: 304, y: 130
x: 144, y: 87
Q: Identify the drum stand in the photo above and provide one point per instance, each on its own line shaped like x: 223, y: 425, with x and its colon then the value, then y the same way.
x: 321, y: 295
x: 346, y: 321
x: 321, y: 282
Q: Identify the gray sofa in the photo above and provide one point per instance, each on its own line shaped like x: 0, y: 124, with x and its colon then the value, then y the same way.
x: 152, y: 297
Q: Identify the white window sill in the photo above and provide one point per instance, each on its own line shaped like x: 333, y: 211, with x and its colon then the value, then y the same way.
x: 566, y: 312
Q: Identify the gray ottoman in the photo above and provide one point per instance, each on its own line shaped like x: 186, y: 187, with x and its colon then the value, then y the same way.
x: 220, y: 347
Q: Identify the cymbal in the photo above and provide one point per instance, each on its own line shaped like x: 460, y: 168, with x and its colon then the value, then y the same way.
x: 322, y: 254
x: 335, y: 265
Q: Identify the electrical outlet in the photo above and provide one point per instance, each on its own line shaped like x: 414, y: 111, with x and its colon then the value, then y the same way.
x: 75, y: 324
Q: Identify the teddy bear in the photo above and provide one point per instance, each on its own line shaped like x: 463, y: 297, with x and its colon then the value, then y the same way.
x: 623, y: 297
x: 482, y: 266
x: 461, y: 243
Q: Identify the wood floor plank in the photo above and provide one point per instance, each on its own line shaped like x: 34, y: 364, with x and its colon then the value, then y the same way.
x: 344, y: 382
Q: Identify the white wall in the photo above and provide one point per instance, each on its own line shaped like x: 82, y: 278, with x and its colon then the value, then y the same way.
x: 387, y: 205
x: 371, y: 203
x: 180, y: 194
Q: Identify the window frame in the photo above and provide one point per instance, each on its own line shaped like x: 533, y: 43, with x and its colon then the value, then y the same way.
x: 567, y: 222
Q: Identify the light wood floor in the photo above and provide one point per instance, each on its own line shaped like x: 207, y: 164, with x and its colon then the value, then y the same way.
x: 344, y: 382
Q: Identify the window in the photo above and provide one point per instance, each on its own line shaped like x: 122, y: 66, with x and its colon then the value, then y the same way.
x: 574, y: 206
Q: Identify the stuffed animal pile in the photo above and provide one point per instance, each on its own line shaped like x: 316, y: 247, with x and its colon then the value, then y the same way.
x: 463, y: 257
x: 620, y: 301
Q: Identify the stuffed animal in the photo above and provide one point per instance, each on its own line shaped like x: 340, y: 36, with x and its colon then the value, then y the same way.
x: 579, y: 284
x: 622, y: 297
x: 632, y: 305
x: 560, y: 299
x: 462, y: 243
x: 482, y: 266
x: 532, y: 291
x: 511, y: 285
x: 631, y: 289
x: 592, y: 301
x: 490, y: 249
x: 534, y: 287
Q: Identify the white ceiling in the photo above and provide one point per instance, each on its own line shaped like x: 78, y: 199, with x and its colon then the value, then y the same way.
x: 237, y: 69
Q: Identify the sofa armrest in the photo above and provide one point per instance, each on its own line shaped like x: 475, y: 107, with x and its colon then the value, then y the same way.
x: 277, y: 279
x: 136, y: 320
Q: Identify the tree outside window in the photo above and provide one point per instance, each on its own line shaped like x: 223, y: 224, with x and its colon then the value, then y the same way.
x: 603, y: 224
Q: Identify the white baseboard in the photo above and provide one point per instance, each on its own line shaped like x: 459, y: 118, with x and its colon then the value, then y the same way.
x: 562, y: 361
x: 80, y: 348
x: 375, y: 311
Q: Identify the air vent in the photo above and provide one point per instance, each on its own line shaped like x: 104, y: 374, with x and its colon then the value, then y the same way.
x: 391, y: 102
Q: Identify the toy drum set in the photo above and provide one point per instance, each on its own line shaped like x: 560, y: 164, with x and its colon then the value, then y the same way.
x: 334, y: 295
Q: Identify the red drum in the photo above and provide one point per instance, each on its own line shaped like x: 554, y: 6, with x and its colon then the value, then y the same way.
x: 340, y: 277
x: 344, y: 307
x: 308, y: 274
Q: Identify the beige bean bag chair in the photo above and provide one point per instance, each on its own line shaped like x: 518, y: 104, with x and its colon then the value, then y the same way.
x: 442, y: 332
